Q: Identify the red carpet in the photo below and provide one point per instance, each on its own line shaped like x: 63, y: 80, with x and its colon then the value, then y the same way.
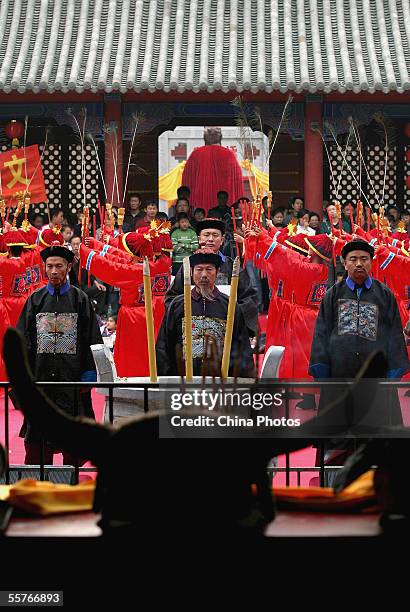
x: 16, y: 444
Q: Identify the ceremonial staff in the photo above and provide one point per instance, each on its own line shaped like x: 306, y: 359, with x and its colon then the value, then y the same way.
x: 269, y: 203
x: 188, y: 321
x: 230, y: 319
x: 149, y: 317
x: 120, y: 218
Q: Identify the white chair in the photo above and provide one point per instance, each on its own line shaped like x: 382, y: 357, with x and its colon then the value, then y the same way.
x: 270, y: 369
x: 271, y: 362
x: 127, y: 401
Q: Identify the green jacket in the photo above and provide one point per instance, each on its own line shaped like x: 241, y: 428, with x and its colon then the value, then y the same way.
x: 185, y: 243
x: 325, y: 226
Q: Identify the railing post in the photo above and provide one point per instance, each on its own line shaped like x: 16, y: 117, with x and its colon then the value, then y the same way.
x: 6, y: 431
x: 146, y: 399
x: 110, y: 404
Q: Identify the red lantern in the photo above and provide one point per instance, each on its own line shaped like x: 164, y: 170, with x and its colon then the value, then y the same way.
x: 408, y: 156
x: 407, y: 130
x: 14, y: 130
x: 408, y: 182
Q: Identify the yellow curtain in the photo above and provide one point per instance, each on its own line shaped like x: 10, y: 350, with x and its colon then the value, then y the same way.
x: 169, y: 183
x: 258, y: 180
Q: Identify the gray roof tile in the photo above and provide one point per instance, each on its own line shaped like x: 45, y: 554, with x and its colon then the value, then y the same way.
x: 205, y: 45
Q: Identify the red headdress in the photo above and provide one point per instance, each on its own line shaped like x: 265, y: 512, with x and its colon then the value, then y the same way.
x: 298, y: 243
x: 50, y: 236
x: 137, y: 245
x: 15, y: 237
x: 320, y: 244
x: 159, y: 235
x: 3, y: 247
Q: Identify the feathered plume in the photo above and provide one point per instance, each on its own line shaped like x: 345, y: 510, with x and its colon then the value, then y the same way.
x: 137, y: 119
x: 388, y: 134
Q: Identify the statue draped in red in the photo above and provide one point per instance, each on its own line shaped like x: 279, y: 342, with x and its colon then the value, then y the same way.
x: 210, y: 169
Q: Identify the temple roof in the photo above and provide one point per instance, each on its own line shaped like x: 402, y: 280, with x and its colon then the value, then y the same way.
x: 205, y: 45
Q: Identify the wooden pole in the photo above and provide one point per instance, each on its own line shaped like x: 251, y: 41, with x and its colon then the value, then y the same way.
x: 188, y: 321
x: 149, y: 317
x: 230, y: 319
x: 120, y: 218
x: 234, y: 229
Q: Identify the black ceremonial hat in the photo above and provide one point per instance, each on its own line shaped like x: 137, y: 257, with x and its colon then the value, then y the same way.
x: 57, y: 251
x: 210, y: 223
x: 201, y: 256
x: 357, y: 245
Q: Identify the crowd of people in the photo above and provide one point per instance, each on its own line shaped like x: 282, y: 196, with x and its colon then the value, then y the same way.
x: 184, y: 218
x: 289, y: 259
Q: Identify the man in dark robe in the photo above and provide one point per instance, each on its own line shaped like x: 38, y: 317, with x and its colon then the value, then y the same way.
x: 209, y: 314
x: 211, y: 235
x: 358, y: 316
x: 59, y: 326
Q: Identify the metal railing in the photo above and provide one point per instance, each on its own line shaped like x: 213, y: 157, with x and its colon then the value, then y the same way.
x: 75, y: 470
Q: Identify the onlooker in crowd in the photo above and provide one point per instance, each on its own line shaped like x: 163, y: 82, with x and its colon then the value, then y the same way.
x: 38, y: 221
x: 199, y: 214
x: 56, y: 218
x: 108, y: 332
x: 183, y: 192
x: 393, y: 215
x: 184, y: 240
x: 331, y: 212
x: 151, y: 211
x: 238, y: 216
x: 78, y: 224
x: 181, y: 205
x: 296, y: 204
x: 303, y: 223
x: 314, y: 221
x: 221, y: 210
x: 133, y: 213
x: 67, y: 233
x: 348, y: 212
x: 161, y: 216
x: 278, y: 217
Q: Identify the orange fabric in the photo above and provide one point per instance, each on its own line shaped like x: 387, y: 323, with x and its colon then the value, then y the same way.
x: 45, y: 498
x: 360, y: 494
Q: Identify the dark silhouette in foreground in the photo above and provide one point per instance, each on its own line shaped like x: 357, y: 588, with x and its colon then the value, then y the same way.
x: 148, y: 486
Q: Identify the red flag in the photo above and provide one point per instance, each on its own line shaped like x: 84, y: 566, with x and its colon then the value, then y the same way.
x: 21, y: 172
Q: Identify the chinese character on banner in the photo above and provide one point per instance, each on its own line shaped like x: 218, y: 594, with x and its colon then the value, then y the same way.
x: 21, y: 172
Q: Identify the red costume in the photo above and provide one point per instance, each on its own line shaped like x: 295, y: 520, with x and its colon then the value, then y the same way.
x: 15, y: 286
x: 107, y: 250
x: 396, y: 269
x: 301, y: 286
x: 131, y: 345
x: 210, y: 169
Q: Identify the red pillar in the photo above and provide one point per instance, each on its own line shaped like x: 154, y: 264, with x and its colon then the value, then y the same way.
x: 313, y: 155
x: 113, y: 119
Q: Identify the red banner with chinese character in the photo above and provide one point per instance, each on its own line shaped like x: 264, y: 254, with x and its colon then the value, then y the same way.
x: 21, y: 173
